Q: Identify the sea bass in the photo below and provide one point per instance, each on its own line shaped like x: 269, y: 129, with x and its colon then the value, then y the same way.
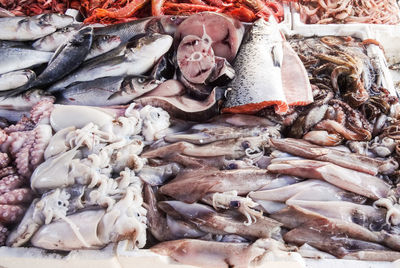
x: 15, y: 58
x: 107, y: 91
x: 67, y: 57
x: 127, y: 31
x: 16, y: 79
x: 52, y: 41
x: 103, y: 44
x: 32, y: 28
x: 137, y: 59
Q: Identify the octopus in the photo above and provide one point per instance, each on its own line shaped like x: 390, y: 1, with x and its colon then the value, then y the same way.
x: 350, y: 104
x: 95, y: 198
x: 15, y: 197
x: 27, y: 140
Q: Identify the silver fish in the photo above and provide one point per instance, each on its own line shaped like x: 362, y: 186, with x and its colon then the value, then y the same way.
x: 31, y: 28
x: 107, y: 91
x: 258, y: 70
x: 57, y: 20
x: 68, y: 57
x: 13, y: 58
x: 135, y: 61
x: 127, y: 31
x: 52, y: 41
x: 103, y: 44
x: 16, y: 79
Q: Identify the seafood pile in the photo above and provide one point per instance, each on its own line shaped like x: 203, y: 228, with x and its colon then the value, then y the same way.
x: 85, y: 179
x: 349, y: 101
x: 211, y: 141
x: 105, y: 11
x: 349, y: 11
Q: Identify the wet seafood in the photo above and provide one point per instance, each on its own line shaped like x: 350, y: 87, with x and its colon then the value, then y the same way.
x: 223, y: 254
x: 349, y: 11
x: 20, y: 58
x: 31, y: 28
x: 107, y: 91
x: 247, y: 92
x: 135, y: 61
x: 16, y: 79
x: 208, y: 181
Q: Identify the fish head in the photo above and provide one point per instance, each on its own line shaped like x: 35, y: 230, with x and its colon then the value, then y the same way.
x: 106, y: 42
x: 82, y: 37
x: 152, y: 45
x: 37, y: 26
x: 170, y: 23
x: 142, y: 84
x: 270, y: 28
x: 57, y: 20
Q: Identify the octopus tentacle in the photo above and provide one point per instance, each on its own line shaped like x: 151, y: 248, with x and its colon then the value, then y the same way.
x: 3, y: 234
x: 17, y: 196
x: 6, y: 171
x: 10, y: 182
x: 4, y: 160
x: 25, y: 124
x: 11, y: 213
x: 41, y: 111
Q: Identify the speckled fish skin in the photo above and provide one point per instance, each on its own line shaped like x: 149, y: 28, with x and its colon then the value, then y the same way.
x: 103, y: 44
x: 52, y: 41
x: 16, y: 79
x: 15, y: 58
x: 32, y: 28
x: 258, y: 69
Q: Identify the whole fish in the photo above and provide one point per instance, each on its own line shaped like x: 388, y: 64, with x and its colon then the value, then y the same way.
x: 16, y: 79
x: 57, y: 20
x: 31, y: 28
x: 107, y: 91
x: 52, y: 41
x: 136, y: 60
x: 6, y: 44
x: 68, y: 57
x: 103, y: 44
x: 258, y: 80
x: 127, y: 31
x: 14, y: 58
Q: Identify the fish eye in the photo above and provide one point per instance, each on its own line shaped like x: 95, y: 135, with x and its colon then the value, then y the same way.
x: 174, y: 18
x: 141, y: 80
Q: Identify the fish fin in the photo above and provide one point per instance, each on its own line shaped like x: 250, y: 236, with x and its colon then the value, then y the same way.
x: 277, y: 56
x: 14, y: 92
x: 57, y: 52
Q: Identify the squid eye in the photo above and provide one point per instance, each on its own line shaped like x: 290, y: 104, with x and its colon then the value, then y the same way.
x: 246, y: 145
x: 234, y: 204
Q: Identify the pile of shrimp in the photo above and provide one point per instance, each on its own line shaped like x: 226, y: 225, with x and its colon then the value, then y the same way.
x: 349, y: 11
x: 108, y: 11
x: 36, y: 7
x: 113, y: 11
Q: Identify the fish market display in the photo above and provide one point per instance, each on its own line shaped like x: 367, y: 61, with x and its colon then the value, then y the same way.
x: 349, y: 11
x: 254, y: 88
x: 121, y: 11
x: 211, y: 141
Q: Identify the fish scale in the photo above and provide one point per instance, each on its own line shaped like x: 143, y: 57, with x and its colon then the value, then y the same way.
x: 253, y: 88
